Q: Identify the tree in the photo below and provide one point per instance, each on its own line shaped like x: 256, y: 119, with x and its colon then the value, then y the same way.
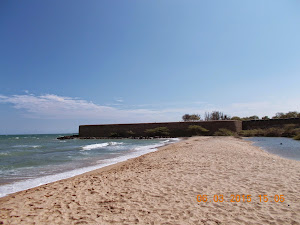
x: 216, y: 115
x: 291, y: 114
x: 278, y: 115
x: 226, y: 117
x: 186, y: 117
x: 195, y: 117
x: 207, y: 116
x: 192, y: 117
x: 235, y: 118
x: 251, y: 118
x: 254, y: 117
x: 265, y: 118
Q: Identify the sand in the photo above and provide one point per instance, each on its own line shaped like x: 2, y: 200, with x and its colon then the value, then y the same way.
x: 162, y: 188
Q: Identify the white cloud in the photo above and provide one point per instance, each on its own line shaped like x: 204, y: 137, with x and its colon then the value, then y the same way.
x: 120, y: 100
x: 60, y: 107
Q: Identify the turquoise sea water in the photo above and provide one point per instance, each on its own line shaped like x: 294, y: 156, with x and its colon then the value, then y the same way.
x: 30, y: 160
x: 284, y: 147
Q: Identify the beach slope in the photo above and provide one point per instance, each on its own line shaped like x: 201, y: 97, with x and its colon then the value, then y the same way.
x: 162, y: 188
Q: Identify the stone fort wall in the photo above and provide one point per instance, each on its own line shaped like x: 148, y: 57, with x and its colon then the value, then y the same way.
x: 263, y: 124
x: 180, y: 129
x: 177, y: 129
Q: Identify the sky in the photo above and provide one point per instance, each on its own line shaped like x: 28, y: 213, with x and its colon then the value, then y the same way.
x: 72, y: 62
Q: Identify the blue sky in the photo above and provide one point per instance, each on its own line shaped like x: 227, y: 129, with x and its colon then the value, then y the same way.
x: 66, y: 63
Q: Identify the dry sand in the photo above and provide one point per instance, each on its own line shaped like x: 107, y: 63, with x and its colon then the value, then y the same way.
x: 162, y: 188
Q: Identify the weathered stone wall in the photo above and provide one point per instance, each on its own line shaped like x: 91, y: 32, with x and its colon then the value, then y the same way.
x: 180, y: 129
x: 263, y: 124
x: 177, y: 129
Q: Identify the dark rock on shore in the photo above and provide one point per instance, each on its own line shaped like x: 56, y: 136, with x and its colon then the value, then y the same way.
x: 68, y: 137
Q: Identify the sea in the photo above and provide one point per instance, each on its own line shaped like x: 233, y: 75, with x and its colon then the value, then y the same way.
x: 28, y: 161
x: 284, y: 147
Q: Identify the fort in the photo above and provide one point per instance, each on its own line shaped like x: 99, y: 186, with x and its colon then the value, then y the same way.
x: 263, y: 124
x: 178, y: 129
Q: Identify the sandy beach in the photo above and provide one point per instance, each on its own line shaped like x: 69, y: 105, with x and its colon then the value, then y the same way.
x: 162, y: 188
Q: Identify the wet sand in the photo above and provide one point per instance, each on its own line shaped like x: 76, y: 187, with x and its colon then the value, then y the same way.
x: 162, y: 187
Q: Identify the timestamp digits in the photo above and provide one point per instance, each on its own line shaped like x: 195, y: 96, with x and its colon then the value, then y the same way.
x: 240, y: 198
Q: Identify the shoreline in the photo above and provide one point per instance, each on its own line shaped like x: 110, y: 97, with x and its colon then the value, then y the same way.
x: 23, y: 185
x: 270, y: 148
x: 162, y: 187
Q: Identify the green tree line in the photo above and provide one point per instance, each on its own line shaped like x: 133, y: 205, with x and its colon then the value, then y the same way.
x: 218, y: 115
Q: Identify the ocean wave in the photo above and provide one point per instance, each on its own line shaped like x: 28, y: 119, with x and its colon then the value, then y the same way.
x: 26, y: 146
x: 150, y: 148
x: 170, y: 140
x: 175, y: 139
x: 134, y: 151
x: 101, y: 145
x: 35, y: 146
x: 4, y: 153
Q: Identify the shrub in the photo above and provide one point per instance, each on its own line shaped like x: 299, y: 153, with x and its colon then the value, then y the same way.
x: 290, y: 130
x: 252, y: 133
x: 197, y: 130
x: 296, y: 131
x: 158, y: 131
x: 258, y: 132
x: 130, y: 133
x: 289, y: 126
x: 274, y: 132
x: 114, y: 134
x: 297, y: 137
x: 247, y: 133
x: 223, y: 132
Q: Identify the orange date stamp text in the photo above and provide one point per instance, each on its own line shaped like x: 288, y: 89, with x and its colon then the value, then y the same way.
x: 240, y: 198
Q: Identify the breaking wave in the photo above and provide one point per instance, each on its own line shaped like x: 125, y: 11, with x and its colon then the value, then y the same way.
x: 26, y: 146
x: 101, y: 145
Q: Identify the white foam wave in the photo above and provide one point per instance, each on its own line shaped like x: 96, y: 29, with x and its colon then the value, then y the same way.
x: 26, y: 146
x: 175, y: 139
x: 3, y: 153
x: 101, y: 145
